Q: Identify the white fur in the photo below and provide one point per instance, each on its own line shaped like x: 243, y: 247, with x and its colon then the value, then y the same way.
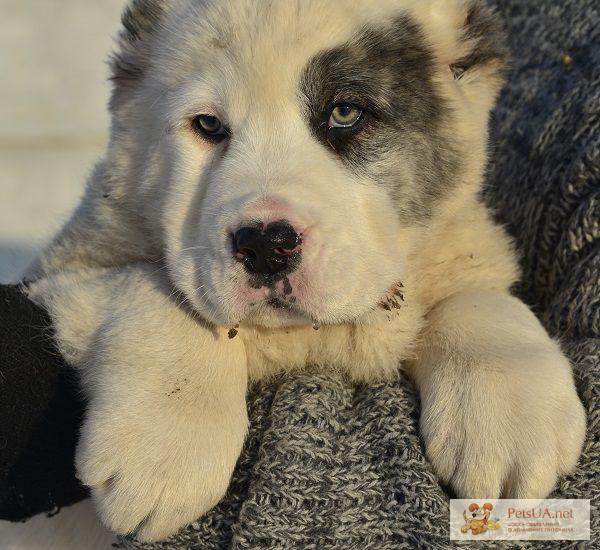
x: 167, y: 417
x: 499, y: 407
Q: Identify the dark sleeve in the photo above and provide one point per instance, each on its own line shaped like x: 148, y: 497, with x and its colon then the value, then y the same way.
x: 40, y: 414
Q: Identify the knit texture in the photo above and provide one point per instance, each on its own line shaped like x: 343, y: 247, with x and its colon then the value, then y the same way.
x: 332, y: 465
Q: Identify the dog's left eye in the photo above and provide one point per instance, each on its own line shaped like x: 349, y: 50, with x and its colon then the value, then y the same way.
x: 210, y: 127
x: 345, y: 116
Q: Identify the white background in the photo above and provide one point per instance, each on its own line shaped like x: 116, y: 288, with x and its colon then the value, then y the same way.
x: 53, y: 120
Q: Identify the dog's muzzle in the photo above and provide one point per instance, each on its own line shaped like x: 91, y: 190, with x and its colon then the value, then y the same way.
x: 267, y: 251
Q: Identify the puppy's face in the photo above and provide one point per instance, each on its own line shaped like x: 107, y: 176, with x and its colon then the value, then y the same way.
x: 288, y: 156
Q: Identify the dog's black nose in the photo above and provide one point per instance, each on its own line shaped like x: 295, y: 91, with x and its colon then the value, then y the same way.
x: 266, y: 251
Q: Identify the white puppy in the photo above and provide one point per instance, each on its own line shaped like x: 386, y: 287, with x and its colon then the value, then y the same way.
x: 282, y: 166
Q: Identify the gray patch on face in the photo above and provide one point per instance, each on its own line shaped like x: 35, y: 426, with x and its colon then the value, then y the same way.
x: 388, y: 72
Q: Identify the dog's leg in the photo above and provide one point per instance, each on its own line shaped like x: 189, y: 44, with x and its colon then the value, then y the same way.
x: 500, y: 414
x: 167, y: 415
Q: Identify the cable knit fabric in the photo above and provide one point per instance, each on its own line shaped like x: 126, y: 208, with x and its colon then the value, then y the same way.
x: 332, y: 465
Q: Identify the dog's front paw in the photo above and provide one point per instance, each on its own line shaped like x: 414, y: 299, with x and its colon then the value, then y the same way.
x: 151, y: 472
x: 499, y: 412
x: 493, y: 430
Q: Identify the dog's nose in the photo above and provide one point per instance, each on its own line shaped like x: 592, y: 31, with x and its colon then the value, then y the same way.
x: 267, y: 250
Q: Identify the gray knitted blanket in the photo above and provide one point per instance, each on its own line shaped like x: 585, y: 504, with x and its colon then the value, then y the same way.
x: 329, y: 464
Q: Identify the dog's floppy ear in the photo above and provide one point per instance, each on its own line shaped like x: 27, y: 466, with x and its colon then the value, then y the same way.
x: 482, y: 45
x: 473, y: 507
x: 488, y: 506
x: 140, y: 20
x: 468, y: 40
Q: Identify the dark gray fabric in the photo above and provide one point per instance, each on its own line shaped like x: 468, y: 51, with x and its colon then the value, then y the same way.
x: 333, y: 465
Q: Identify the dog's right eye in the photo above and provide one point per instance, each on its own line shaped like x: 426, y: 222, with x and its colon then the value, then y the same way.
x: 210, y: 128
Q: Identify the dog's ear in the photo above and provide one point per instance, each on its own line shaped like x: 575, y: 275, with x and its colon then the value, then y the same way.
x: 140, y: 20
x: 473, y: 507
x: 469, y: 41
x: 488, y: 506
x: 482, y: 48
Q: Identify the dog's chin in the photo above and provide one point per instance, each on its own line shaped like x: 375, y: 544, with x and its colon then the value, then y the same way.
x: 276, y: 313
x: 268, y: 313
x: 277, y: 307
x: 280, y: 311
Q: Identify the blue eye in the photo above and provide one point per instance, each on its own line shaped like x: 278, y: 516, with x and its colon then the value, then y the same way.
x: 210, y: 127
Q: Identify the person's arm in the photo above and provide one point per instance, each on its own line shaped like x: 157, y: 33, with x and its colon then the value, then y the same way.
x: 40, y: 414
